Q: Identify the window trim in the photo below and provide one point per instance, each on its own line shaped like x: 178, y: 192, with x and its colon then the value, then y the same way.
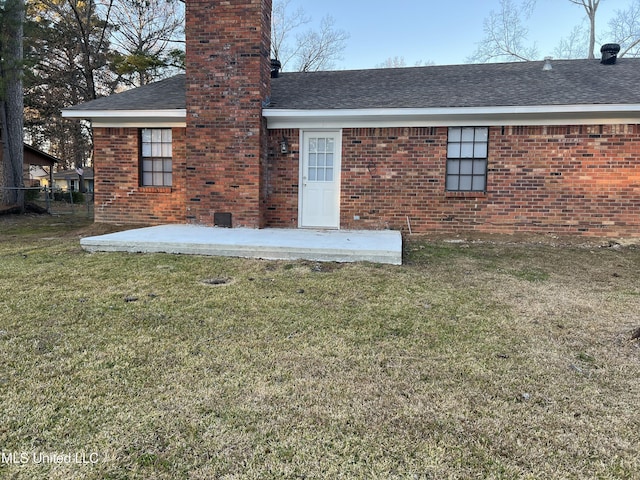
x: 141, y: 160
x: 472, y: 158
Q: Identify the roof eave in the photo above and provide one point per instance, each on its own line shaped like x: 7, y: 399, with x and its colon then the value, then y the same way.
x: 386, y: 117
x: 130, y: 118
x: 456, y: 116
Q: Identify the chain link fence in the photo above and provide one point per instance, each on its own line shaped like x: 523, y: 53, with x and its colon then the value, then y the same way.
x: 56, y: 201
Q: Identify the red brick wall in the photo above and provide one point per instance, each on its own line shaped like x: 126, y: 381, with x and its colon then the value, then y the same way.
x: 228, y: 78
x: 280, y: 180
x: 566, y: 180
x: 118, y: 196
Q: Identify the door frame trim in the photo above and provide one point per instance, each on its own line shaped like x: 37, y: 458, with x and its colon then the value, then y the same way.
x: 337, y: 170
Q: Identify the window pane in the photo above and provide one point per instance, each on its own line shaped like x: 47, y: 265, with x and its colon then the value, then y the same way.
x: 452, y: 182
x: 467, y: 150
x: 479, y: 167
x: 453, y: 151
x: 455, y: 134
x: 482, y: 134
x: 313, y: 145
x: 313, y: 160
x: 156, y: 162
x: 321, y: 144
x: 330, y: 145
x: 466, y: 167
x: 468, y: 134
x: 329, y: 160
x: 312, y: 174
x: 321, y: 158
x: 465, y: 182
x: 453, y: 166
x: 328, y: 174
x: 480, y: 150
x: 478, y: 182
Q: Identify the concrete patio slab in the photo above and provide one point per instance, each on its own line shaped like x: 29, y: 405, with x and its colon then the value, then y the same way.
x: 384, y: 246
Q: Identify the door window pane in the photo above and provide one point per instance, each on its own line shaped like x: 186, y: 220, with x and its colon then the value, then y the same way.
x: 321, y: 159
x: 328, y: 175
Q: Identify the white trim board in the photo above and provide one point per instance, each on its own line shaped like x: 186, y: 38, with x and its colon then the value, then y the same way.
x: 386, y: 117
x: 445, y: 117
x: 130, y: 118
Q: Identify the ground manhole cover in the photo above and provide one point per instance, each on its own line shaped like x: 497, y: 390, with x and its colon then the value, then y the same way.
x: 217, y: 281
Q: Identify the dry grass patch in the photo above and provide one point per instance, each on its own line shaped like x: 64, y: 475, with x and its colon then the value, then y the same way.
x: 473, y: 360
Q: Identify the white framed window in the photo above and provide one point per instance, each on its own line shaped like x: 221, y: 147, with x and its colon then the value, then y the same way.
x: 467, y: 152
x: 156, y: 154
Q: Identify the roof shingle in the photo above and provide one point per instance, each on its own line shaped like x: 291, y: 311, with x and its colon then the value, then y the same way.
x: 570, y: 82
x: 165, y: 94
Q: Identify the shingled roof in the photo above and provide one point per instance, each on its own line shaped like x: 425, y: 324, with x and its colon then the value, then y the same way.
x: 569, y: 82
x: 162, y: 95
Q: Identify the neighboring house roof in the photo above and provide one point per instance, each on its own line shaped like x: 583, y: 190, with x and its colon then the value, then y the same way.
x: 34, y: 156
x: 573, y: 90
x: 87, y: 174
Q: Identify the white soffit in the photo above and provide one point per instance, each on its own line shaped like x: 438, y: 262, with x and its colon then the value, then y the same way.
x: 385, y: 117
x: 438, y: 117
x: 130, y: 118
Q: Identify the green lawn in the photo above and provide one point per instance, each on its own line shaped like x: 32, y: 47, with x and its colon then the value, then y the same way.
x: 473, y: 360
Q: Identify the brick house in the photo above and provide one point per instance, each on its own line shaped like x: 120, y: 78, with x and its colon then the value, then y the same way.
x: 549, y: 146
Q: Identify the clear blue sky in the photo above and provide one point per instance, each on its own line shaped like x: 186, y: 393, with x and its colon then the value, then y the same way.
x: 439, y: 31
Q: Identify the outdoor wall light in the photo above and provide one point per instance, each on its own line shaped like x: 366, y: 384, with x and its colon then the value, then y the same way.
x: 284, y: 145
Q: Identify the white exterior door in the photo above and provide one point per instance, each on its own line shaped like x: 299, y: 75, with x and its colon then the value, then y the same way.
x: 320, y: 159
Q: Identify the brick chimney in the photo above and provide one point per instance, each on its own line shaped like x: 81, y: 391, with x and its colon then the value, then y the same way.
x: 228, y: 71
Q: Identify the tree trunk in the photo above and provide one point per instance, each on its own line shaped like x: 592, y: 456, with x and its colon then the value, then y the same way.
x: 592, y: 34
x: 12, y: 105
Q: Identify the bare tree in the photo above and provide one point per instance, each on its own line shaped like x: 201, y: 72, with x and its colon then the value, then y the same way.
x: 574, y: 45
x: 313, y: 49
x: 393, y: 62
x: 68, y: 47
x: 147, y: 39
x: 11, y: 100
x: 624, y: 29
x: 591, y: 8
x: 400, y: 62
x: 283, y: 22
x: 319, y: 49
x: 506, y: 34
